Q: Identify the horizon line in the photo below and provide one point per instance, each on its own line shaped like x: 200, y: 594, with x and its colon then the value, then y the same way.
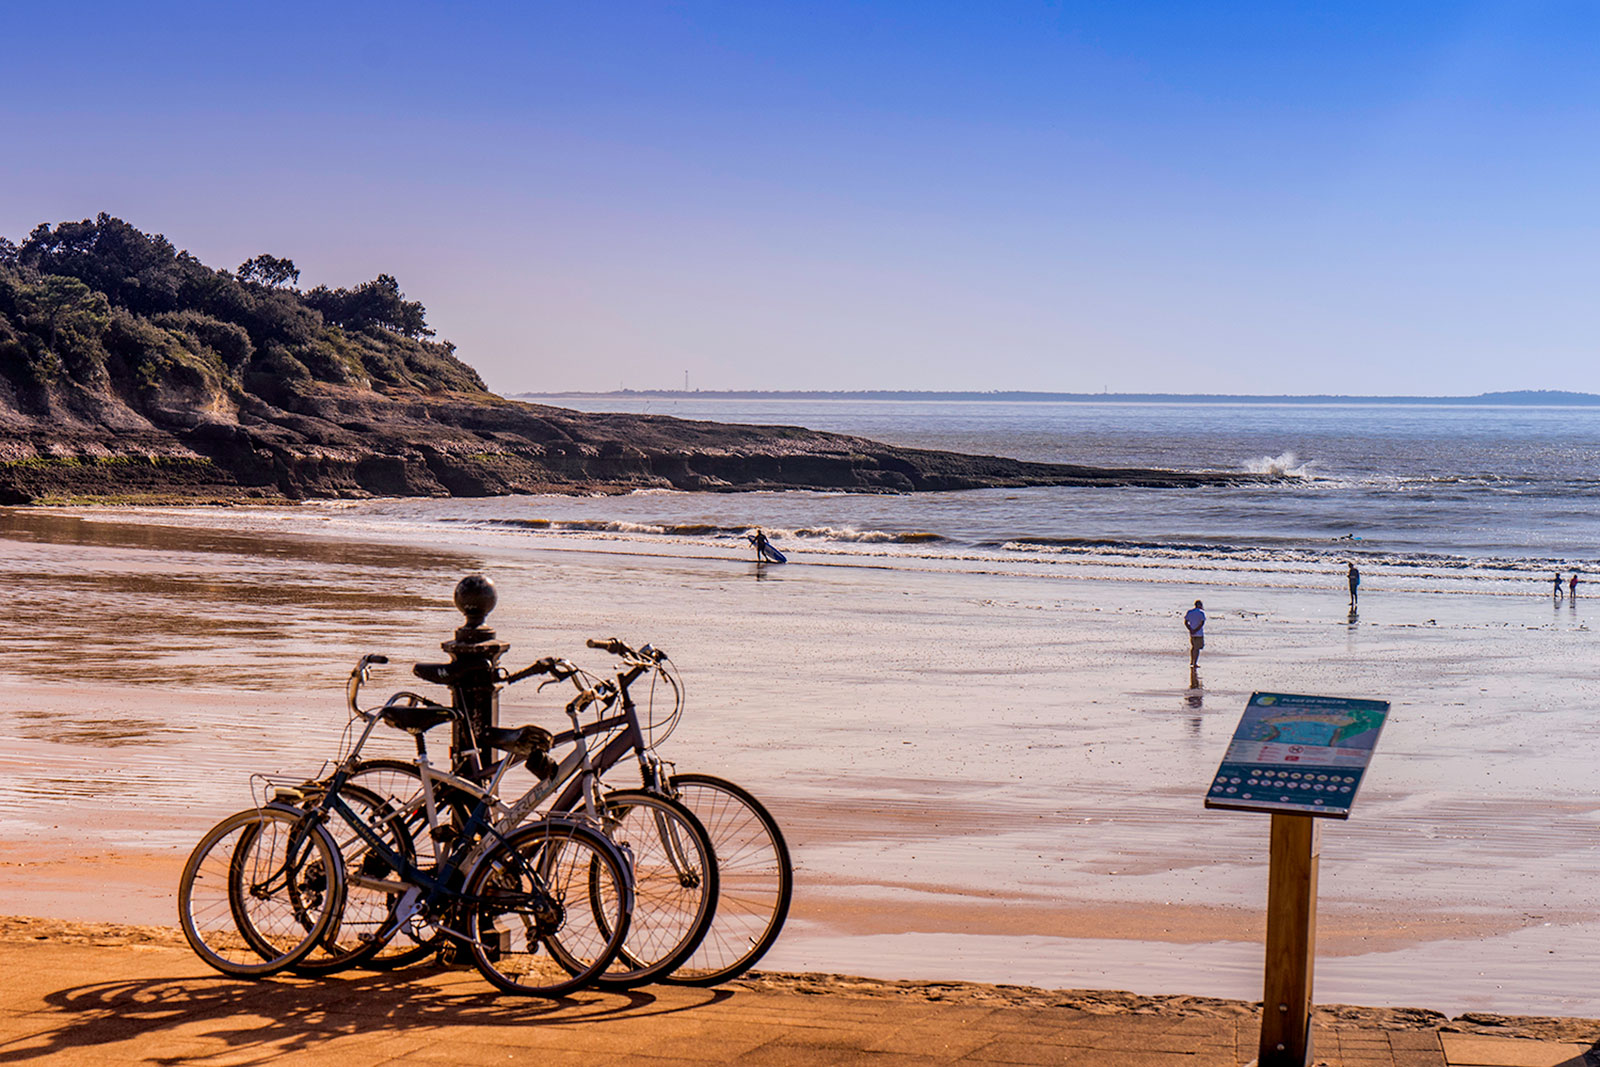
x: 1551, y: 397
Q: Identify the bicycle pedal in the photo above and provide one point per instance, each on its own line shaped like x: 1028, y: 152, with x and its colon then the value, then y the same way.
x: 455, y: 957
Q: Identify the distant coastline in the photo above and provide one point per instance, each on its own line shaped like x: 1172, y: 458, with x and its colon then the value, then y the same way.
x: 1520, y: 398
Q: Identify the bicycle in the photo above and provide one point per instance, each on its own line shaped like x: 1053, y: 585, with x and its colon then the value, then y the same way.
x: 672, y: 861
x: 756, y: 875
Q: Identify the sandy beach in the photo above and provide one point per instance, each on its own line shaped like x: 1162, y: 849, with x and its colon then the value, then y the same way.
x: 983, y: 777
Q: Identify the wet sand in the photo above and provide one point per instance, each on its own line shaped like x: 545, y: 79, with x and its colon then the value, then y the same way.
x: 983, y: 777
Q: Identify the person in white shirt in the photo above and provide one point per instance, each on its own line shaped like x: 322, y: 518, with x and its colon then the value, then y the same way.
x: 1195, y: 620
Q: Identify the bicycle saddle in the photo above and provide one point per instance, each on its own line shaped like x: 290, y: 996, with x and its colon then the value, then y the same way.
x: 437, y: 673
x: 532, y: 742
x: 518, y: 740
x: 415, y: 719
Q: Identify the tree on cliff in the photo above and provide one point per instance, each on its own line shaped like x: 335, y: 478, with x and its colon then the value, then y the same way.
x: 269, y: 271
x: 376, y: 303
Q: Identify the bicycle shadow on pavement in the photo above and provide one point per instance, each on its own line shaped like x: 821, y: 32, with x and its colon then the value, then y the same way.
x: 287, y: 1015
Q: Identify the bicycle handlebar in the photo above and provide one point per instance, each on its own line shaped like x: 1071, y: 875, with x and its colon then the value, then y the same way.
x: 615, y: 646
x: 358, y: 678
x: 551, y: 665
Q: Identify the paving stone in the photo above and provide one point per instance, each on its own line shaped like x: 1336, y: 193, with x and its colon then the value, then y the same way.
x: 1474, y: 1050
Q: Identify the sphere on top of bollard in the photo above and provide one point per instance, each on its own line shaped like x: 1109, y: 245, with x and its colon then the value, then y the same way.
x: 475, y: 598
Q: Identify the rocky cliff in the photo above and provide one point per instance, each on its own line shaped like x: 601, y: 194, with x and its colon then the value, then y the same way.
x: 131, y: 371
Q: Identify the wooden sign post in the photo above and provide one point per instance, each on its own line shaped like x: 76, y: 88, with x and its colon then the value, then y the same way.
x: 1298, y: 758
x: 1291, y: 937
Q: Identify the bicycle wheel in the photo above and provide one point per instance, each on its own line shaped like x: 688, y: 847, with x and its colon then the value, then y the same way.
x: 674, y: 884
x: 259, y: 890
x: 556, y: 886
x: 372, y: 885
x: 756, y: 879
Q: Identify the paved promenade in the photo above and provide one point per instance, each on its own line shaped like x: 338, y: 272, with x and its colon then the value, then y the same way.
x: 80, y: 994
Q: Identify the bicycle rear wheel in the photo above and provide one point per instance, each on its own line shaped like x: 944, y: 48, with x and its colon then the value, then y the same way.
x: 675, y: 883
x: 756, y: 879
x: 547, y: 910
x: 259, y: 891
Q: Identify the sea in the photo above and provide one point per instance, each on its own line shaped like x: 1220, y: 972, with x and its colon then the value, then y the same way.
x: 1441, y: 498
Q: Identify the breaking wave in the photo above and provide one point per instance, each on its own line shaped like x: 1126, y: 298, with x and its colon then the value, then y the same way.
x: 1283, y: 465
x: 869, y: 537
x: 843, y: 535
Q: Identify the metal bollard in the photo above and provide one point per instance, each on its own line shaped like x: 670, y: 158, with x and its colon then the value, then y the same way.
x: 474, y: 663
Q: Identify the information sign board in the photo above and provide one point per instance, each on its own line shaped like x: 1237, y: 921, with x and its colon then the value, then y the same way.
x: 1300, y: 754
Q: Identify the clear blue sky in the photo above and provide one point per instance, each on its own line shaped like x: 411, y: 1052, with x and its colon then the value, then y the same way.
x: 1234, y: 197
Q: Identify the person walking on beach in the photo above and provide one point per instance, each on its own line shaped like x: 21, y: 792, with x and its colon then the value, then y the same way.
x: 1353, y: 576
x: 1195, y: 620
x: 1572, y: 586
x: 1556, y: 592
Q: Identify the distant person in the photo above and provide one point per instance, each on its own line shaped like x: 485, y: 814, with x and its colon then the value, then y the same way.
x: 766, y: 551
x: 1195, y: 620
x: 1556, y: 591
x: 1572, y: 586
x: 1353, y: 576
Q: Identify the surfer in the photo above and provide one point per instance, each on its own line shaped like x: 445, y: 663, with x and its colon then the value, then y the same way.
x: 1354, y: 578
x: 1195, y: 620
x: 765, y: 552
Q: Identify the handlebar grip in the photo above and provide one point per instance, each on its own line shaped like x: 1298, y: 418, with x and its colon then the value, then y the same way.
x: 377, y: 659
x: 542, y: 666
x: 612, y: 645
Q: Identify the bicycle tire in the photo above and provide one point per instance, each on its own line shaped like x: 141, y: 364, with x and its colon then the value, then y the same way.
x: 551, y: 861
x: 675, y: 884
x: 756, y: 879
x: 234, y: 913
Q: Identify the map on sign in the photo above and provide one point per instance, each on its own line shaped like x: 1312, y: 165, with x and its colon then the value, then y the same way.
x: 1298, y: 754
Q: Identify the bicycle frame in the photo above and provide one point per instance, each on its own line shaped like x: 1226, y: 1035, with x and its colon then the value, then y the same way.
x: 420, y: 889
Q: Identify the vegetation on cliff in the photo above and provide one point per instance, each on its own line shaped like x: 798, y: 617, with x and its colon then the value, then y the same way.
x: 96, y: 314
x: 131, y: 370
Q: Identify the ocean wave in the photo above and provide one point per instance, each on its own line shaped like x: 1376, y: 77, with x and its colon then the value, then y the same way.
x: 622, y: 526
x: 1263, y: 552
x: 705, y: 529
x: 1283, y: 465
x: 869, y: 537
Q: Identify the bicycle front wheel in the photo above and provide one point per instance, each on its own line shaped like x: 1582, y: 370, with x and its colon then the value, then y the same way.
x: 259, y: 891
x: 756, y: 879
x: 547, y: 910
x: 674, y: 884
